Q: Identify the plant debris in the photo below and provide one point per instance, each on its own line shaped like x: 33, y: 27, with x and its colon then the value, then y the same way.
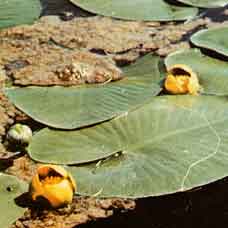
x: 59, y: 52
x: 60, y: 67
x: 50, y: 65
x: 81, y: 211
x: 7, y: 113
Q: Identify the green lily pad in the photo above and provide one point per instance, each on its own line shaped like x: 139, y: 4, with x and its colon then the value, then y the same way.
x: 145, y: 10
x: 205, y: 3
x: 214, y: 39
x: 16, y: 12
x: 75, y: 107
x: 172, y: 144
x: 212, y: 73
x: 10, y: 188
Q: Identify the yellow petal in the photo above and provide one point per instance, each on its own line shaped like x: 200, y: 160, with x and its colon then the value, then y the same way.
x: 176, y: 85
x: 53, y: 183
x: 72, y: 181
x: 44, y: 170
x: 58, y: 194
x: 181, y: 80
x: 36, y: 188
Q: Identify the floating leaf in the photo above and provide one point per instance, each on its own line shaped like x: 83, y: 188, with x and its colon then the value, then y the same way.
x: 10, y: 188
x: 16, y: 12
x: 214, y: 39
x: 146, y: 10
x: 212, y: 73
x: 71, y: 147
x: 205, y: 3
x: 74, y: 107
x: 172, y: 144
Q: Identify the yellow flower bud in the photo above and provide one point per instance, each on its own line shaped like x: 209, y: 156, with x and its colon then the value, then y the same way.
x: 181, y: 80
x: 53, y: 183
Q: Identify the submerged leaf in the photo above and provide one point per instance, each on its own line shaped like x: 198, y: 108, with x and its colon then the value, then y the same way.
x: 146, y: 10
x: 74, y: 107
x: 212, y: 73
x: 16, y: 12
x: 214, y: 39
x: 172, y: 144
x: 205, y: 3
x: 10, y: 189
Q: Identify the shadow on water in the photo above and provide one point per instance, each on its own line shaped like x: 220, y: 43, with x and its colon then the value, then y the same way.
x: 64, y: 8
x: 217, y: 15
x: 204, y: 208
x: 212, y: 54
x: 68, y: 10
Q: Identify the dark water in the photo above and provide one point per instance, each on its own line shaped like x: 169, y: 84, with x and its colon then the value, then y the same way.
x: 202, y: 208
x: 60, y: 7
x: 64, y: 8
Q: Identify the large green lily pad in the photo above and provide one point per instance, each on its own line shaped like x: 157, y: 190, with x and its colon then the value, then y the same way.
x: 172, y: 144
x: 75, y: 107
x: 10, y: 189
x: 212, y: 73
x: 71, y: 147
x: 16, y: 12
x: 205, y: 3
x: 214, y: 39
x: 145, y: 10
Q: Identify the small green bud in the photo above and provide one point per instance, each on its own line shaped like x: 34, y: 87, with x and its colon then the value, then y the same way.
x: 20, y: 134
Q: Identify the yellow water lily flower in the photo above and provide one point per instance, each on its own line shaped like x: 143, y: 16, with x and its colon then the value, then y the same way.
x: 181, y: 79
x: 53, y: 183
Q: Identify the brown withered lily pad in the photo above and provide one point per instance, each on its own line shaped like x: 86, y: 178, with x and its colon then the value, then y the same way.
x: 55, y: 66
x: 7, y: 113
x: 34, y: 63
x: 49, y: 53
x: 23, y: 168
x: 81, y: 211
x: 112, y: 36
x: 100, y: 34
